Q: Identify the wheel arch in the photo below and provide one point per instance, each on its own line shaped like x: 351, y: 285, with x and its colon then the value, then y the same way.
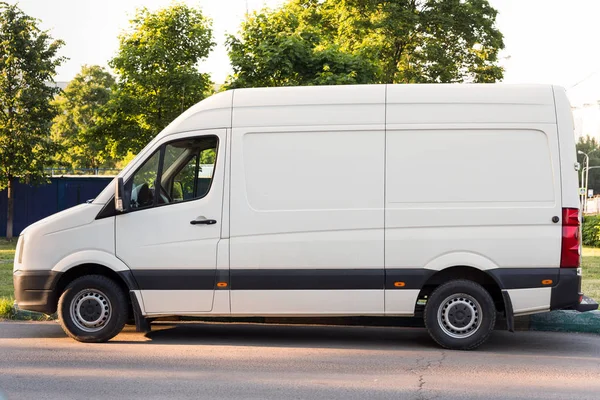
x: 93, y: 262
x: 91, y: 269
x: 482, y: 277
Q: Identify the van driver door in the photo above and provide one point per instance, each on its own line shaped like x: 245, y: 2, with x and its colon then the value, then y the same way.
x: 169, y: 233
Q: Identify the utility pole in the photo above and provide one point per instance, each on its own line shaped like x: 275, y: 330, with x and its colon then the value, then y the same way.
x: 584, y: 179
x: 587, y: 181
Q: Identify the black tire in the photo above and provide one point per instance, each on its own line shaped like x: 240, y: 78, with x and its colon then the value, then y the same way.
x: 460, y: 315
x: 98, y: 299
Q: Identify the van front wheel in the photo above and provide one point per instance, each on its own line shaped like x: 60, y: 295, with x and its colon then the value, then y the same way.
x: 460, y: 315
x: 92, y: 309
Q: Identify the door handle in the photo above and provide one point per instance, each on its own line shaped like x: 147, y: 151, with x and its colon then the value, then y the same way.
x: 203, y: 221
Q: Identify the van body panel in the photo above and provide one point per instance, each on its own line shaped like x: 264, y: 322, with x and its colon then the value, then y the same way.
x: 63, y: 238
x: 278, y: 221
x: 318, y: 185
x: 523, y: 94
x: 488, y: 180
x: 225, y: 215
x: 452, y: 258
x: 102, y: 258
x: 307, y: 302
x: 177, y: 301
x: 568, y: 152
x: 309, y: 105
x: 401, y: 302
x: 527, y: 301
x: 222, y: 302
x: 214, y: 112
x: 307, y: 193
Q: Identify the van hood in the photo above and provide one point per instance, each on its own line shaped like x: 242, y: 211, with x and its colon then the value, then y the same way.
x: 73, y: 217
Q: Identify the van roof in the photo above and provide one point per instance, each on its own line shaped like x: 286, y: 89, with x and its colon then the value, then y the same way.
x: 238, y: 106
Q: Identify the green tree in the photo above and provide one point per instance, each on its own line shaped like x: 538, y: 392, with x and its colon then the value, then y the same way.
x: 78, y: 127
x: 28, y: 62
x: 157, y: 74
x: 290, y: 46
x: 591, y: 146
x: 368, y: 41
x: 423, y: 41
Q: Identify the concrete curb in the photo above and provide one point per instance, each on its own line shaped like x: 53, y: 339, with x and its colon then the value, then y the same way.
x: 30, y: 315
x: 566, y: 321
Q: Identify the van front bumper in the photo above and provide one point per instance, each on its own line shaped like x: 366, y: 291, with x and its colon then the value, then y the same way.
x: 35, y: 290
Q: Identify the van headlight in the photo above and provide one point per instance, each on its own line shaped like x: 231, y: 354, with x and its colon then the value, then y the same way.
x: 21, y: 244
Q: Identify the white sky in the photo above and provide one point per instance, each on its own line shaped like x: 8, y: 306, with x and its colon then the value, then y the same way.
x: 547, y: 41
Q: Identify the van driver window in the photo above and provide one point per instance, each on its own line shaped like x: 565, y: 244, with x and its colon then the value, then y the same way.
x: 186, y: 173
x: 144, y: 180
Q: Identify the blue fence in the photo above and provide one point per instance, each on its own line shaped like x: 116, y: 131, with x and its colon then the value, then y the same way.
x: 32, y: 203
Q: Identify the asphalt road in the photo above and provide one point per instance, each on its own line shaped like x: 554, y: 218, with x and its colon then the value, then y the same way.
x: 245, y: 361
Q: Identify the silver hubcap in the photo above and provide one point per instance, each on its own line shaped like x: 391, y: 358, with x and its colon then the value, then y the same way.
x: 460, y: 316
x: 90, y: 310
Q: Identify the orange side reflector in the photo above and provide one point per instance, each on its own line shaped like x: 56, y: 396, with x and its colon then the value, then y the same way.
x: 399, y: 284
x: 547, y: 282
x: 221, y: 284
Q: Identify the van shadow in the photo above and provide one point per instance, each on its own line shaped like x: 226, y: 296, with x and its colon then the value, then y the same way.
x: 361, y: 337
x: 297, y: 336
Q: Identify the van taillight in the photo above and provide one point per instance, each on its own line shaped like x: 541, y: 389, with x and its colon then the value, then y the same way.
x: 570, y: 257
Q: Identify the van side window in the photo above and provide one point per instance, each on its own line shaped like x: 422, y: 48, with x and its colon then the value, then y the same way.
x: 190, y: 174
x: 184, y: 169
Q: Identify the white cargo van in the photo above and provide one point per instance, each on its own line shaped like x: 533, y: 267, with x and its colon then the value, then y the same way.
x: 455, y: 202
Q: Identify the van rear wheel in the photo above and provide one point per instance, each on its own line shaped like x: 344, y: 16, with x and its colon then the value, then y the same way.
x: 92, y: 309
x: 460, y: 315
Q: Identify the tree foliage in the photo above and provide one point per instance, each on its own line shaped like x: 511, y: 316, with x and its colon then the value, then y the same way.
x: 78, y: 128
x: 158, y: 76
x: 28, y: 61
x: 307, y: 42
x: 423, y: 41
x: 590, y: 231
x: 290, y: 46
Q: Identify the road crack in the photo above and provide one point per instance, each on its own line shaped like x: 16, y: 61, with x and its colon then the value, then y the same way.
x: 423, y: 370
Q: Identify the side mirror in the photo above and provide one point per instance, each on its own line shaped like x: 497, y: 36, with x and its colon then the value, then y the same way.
x: 119, y: 193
